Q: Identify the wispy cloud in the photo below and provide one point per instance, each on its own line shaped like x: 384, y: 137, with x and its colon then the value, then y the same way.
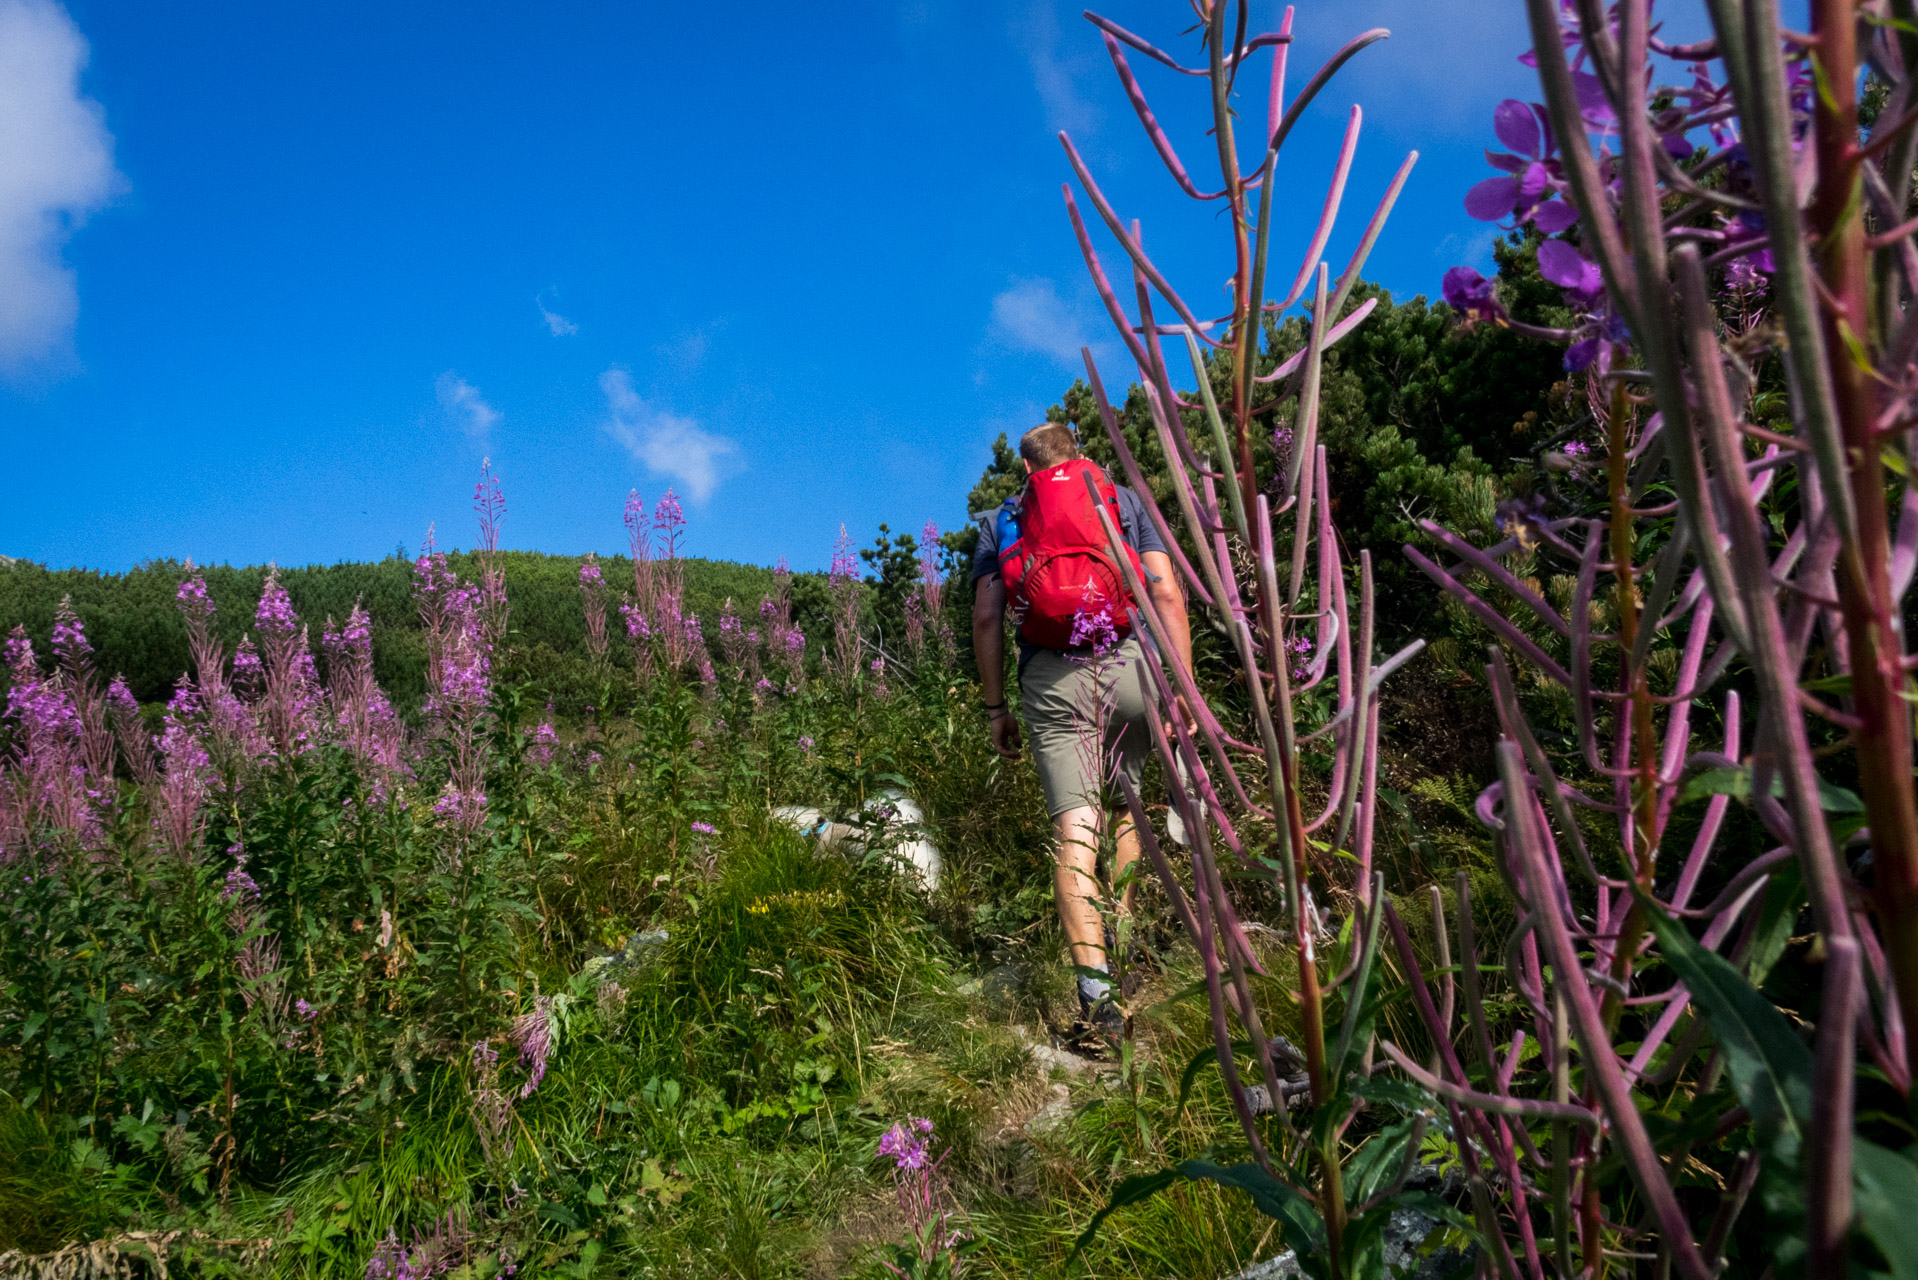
x: 56, y: 167
x: 556, y: 324
x: 1439, y: 68
x: 666, y: 442
x: 683, y: 355
x: 1055, y: 72
x: 464, y: 404
x: 1031, y: 316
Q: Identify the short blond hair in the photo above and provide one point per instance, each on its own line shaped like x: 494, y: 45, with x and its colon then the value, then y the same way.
x: 1047, y: 445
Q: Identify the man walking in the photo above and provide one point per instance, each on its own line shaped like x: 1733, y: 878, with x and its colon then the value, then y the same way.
x: 1044, y: 554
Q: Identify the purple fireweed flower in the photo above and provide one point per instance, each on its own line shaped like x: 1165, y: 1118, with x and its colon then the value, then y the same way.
x: 545, y: 740
x: 1532, y: 178
x: 905, y: 1150
x: 249, y: 676
x: 589, y: 574
x: 275, y: 615
x: 489, y: 501
x: 1301, y: 649
x: 845, y: 564
x: 305, y: 1010
x: 533, y: 1036
x: 1746, y: 275
x: 1566, y: 267
x: 706, y: 828
x: 69, y: 637
x: 188, y: 771
x: 40, y: 710
x: 1472, y: 295
x: 805, y: 745
x: 19, y: 651
x: 121, y: 699
x: 1093, y: 628
x: 465, y: 809
x: 240, y: 887
x: 669, y: 521
x: 637, y: 627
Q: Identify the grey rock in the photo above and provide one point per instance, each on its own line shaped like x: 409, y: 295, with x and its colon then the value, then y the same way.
x: 641, y: 950
x: 1403, y: 1236
x: 1002, y: 984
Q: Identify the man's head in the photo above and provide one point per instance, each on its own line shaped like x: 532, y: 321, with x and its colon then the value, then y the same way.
x: 1047, y: 445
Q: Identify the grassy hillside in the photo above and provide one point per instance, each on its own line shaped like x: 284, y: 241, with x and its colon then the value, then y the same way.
x: 137, y: 632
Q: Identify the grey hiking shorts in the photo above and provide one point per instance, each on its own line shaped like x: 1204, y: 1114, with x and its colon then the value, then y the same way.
x: 1062, y: 696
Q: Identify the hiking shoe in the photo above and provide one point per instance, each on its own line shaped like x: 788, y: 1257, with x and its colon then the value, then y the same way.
x: 1102, y: 1016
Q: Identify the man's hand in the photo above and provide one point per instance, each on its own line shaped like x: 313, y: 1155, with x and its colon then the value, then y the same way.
x: 1181, y: 718
x: 1004, y: 730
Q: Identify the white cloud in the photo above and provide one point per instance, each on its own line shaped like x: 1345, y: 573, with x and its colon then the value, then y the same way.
x: 1031, y: 316
x: 1055, y: 75
x: 683, y: 356
x: 666, y: 442
x: 558, y: 325
x: 464, y: 404
x: 56, y: 167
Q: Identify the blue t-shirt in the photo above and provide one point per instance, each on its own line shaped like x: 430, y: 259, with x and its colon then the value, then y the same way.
x: 1134, y: 526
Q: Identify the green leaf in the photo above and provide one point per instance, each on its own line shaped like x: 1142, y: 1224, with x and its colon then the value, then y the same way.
x: 1885, y: 1191
x: 1770, y: 1066
x: 1191, y: 1074
x: 1304, y: 1230
x: 1783, y: 898
x: 1397, y: 1093
x: 1139, y: 1187
x: 1375, y: 1164
x: 1437, y: 1207
x: 1737, y: 783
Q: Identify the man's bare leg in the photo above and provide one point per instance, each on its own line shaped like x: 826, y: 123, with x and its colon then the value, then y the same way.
x: 1075, y: 884
x: 1124, y: 855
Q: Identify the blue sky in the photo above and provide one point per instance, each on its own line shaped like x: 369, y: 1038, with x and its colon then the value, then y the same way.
x: 275, y: 278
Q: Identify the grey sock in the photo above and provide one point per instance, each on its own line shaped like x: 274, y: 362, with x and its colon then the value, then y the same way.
x: 1095, y: 989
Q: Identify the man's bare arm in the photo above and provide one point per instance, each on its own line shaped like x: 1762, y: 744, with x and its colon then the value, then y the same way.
x: 989, y: 637
x: 989, y: 652
x: 1169, y: 600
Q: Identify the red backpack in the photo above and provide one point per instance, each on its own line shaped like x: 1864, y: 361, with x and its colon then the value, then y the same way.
x: 1053, y: 555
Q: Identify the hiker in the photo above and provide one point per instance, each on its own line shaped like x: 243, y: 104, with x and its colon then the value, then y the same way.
x: 1044, y: 554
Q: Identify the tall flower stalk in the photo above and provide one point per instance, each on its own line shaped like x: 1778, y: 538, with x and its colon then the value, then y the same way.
x: 842, y: 581
x: 460, y: 691
x: 489, y: 503
x: 926, y: 621
x: 1717, y: 214
x: 290, y: 685
x: 363, y: 717
x: 1267, y: 574
x: 46, y: 807
x: 593, y: 602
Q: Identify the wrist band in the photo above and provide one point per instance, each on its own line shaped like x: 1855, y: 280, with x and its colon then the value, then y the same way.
x: 992, y: 706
